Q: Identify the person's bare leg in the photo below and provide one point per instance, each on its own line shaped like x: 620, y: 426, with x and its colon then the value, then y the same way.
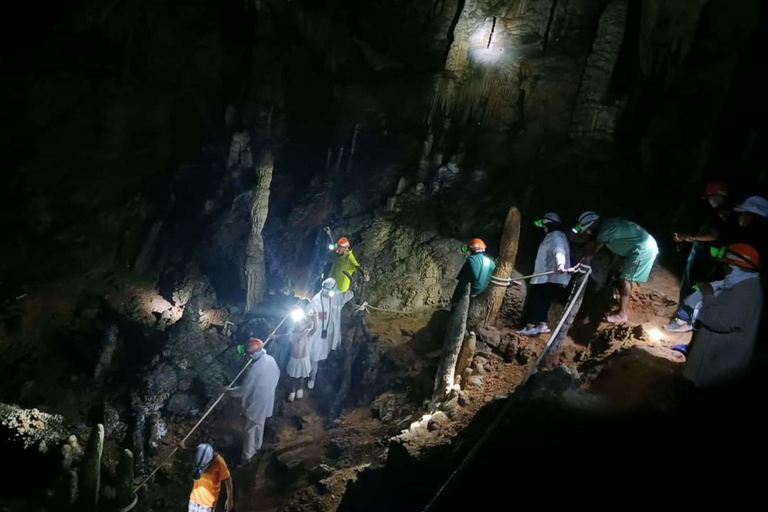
x: 625, y: 288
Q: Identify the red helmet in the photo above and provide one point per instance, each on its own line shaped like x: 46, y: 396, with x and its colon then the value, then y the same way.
x: 343, y: 242
x: 476, y: 245
x: 742, y: 255
x: 715, y: 188
x: 254, y: 345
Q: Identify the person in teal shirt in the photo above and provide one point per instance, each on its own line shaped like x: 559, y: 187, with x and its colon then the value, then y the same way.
x: 476, y: 271
x: 628, y: 240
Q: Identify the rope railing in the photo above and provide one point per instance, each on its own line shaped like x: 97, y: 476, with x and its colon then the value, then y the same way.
x: 585, y: 271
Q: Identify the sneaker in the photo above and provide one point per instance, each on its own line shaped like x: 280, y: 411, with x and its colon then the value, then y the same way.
x: 292, y: 396
x: 678, y: 325
x: 529, y: 331
x: 311, y: 384
x: 300, y: 393
x: 543, y: 330
x: 243, y: 462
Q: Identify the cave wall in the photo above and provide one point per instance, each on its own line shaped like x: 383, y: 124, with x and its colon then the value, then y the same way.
x: 432, y: 116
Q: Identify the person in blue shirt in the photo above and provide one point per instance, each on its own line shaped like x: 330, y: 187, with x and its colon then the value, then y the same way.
x: 476, y: 271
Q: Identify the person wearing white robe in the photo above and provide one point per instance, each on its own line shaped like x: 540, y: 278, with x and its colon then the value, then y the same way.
x: 326, y: 306
x: 257, y: 392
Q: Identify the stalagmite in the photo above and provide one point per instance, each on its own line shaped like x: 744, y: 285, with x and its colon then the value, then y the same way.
x: 466, y: 354
x: 485, y: 308
x: 454, y: 336
x: 426, y: 150
x: 148, y: 249
x: 90, y: 480
x: 255, y: 261
x: 125, y: 495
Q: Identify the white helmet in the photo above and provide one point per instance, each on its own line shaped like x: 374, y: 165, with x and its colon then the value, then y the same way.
x: 755, y: 205
x: 329, y: 284
x: 203, y: 459
x: 586, y: 220
x: 549, y: 219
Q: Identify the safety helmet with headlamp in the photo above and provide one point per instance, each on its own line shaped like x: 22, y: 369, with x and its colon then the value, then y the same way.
x: 475, y: 245
x: 549, y: 219
x: 586, y: 220
x: 740, y: 255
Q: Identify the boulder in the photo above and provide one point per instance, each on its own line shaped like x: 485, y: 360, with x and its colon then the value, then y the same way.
x: 438, y: 421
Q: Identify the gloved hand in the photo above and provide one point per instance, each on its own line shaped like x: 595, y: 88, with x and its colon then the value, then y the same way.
x: 227, y: 389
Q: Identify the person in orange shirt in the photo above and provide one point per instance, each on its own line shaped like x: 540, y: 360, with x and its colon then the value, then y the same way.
x: 210, y: 470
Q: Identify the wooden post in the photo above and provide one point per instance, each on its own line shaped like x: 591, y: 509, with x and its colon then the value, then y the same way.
x: 90, y: 481
x: 454, y: 337
x: 485, y: 308
x: 255, y: 261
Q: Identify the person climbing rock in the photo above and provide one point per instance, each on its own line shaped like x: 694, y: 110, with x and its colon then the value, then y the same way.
x: 727, y: 319
x: 476, y: 270
x: 209, y: 471
x: 299, y: 366
x: 700, y: 264
x: 345, y: 264
x: 258, y: 396
x: 626, y: 239
x: 326, y: 307
x: 554, y: 255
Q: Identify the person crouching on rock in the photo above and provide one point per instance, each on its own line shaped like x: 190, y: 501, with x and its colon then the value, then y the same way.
x: 210, y: 470
x: 554, y: 256
x: 727, y: 319
x: 299, y: 366
x: 326, y: 307
x: 626, y: 239
x: 476, y: 271
x: 258, y: 396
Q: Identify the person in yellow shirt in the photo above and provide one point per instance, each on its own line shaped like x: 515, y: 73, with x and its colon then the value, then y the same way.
x: 345, y: 263
x: 210, y: 471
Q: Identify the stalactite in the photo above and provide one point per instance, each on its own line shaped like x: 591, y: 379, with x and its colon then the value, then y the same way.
x: 353, y: 147
x: 255, y: 260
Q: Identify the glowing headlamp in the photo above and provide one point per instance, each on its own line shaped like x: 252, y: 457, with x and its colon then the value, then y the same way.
x: 464, y: 248
x: 578, y: 228
x: 241, y: 349
x: 297, y: 315
x: 538, y: 223
x: 332, y: 247
x: 718, y: 252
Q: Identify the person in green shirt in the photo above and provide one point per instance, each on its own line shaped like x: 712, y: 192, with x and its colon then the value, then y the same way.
x: 345, y: 264
x: 626, y: 239
x: 476, y: 271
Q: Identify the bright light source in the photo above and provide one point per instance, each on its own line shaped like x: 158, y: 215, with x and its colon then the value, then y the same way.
x: 297, y: 315
x: 656, y: 335
x: 331, y: 247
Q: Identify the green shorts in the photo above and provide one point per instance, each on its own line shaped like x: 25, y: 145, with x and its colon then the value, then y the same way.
x: 638, y: 264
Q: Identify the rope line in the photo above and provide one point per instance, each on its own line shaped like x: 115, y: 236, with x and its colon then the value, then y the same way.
x: 207, y: 413
x: 585, y: 270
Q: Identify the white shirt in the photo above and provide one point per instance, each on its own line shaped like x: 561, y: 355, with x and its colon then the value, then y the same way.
x: 555, y: 250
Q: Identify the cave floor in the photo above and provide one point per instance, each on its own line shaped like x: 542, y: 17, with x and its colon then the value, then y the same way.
x: 305, y: 465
